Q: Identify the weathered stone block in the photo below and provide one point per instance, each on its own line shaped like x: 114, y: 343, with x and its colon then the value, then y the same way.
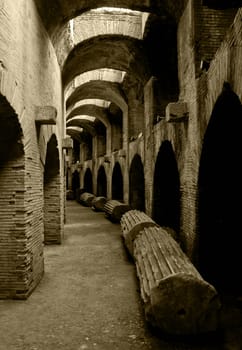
x: 45, y: 115
x: 67, y: 143
x: 176, y: 112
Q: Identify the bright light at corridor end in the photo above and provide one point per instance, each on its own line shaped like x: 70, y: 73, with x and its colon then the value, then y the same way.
x: 74, y: 128
x: 82, y: 117
x: 116, y: 10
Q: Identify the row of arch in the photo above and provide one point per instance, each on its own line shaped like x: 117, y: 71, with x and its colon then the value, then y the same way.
x: 30, y: 193
x: 166, y: 185
x: 218, y: 185
x: 117, y: 80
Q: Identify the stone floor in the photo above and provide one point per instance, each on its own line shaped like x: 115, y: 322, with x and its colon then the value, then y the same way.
x: 89, y: 299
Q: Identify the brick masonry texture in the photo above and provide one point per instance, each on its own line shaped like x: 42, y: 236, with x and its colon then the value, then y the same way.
x: 32, y: 199
x: 29, y: 77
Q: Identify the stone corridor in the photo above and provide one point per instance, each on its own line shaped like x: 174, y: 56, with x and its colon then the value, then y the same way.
x: 89, y: 298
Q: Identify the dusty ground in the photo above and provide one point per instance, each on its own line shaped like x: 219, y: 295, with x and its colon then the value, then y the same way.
x: 89, y: 298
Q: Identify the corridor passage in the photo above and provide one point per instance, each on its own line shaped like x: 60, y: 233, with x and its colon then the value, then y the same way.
x: 89, y: 296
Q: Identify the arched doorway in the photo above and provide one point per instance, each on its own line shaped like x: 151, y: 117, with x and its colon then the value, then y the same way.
x: 13, y: 222
x: 88, y: 181
x: 52, y: 194
x: 220, y: 190
x: 117, y: 183
x: 101, y: 182
x: 137, y: 184
x: 166, y: 190
x: 75, y: 181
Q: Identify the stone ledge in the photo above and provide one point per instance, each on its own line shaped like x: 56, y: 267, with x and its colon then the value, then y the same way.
x: 122, y: 153
x: 45, y: 115
x: 67, y: 143
x: 107, y: 159
x: 176, y: 112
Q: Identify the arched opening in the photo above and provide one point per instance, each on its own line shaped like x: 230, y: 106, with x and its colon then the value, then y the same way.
x: 75, y: 181
x: 137, y: 184
x: 166, y: 190
x: 220, y: 190
x: 88, y: 181
x: 13, y: 270
x: 160, y: 41
x: 117, y: 183
x: 101, y: 182
x: 52, y: 194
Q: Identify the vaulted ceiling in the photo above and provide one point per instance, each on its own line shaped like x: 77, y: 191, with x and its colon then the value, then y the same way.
x: 56, y: 13
x: 104, y: 51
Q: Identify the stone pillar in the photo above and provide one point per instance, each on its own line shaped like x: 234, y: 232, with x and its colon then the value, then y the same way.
x: 149, y: 162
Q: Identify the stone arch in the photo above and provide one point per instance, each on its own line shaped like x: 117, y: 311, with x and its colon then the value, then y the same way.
x: 88, y: 181
x: 137, y: 184
x: 126, y: 53
x: 103, y: 90
x: 101, y: 182
x: 110, y: 116
x: 160, y: 42
x: 75, y: 181
x: 91, y: 110
x: 52, y: 194
x: 13, y: 256
x: 166, y: 188
x: 117, y: 183
x: 68, y: 9
x: 220, y: 190
x: 98, y: 89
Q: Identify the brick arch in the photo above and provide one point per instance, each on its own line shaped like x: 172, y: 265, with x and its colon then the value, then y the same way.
x: 137, y: 184
x: 75, y: 181
x: 92, y: 110
x: 166, y: 188
x: 12, y: 202
x: 59, y: 13
x: 102, y: 90
x: 160, y: 42
x: 89, y: 126
x: 100, y: 114
x: 99, y: 89
x: 52, y: 194
x: 127, y: 54
x: 101, y: 182
x: 117, y: 182
x: 220, y: 189
x: 87, y: 182
x: 21, y: 266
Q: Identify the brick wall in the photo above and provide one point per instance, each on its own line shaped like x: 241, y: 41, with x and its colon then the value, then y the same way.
x: 224, y: 54
x: 136, y: 112
x: 117, y: 137
x: 210, y: 28
x: 20, y: 266
x: 29, y: 77
x: 52, y: 195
